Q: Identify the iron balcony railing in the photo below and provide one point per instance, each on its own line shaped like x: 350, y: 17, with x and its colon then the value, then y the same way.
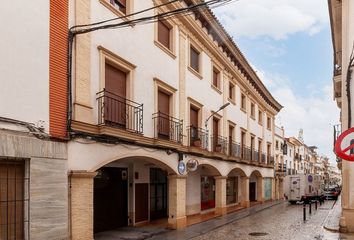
x: 119, y: 112
x: 167, y: 127
x: 255, y: 156
x: 270, y: 160
x: 197, y: 137
x: 234, y: 149
x: 246, y: 153
x: 263, y: 158
x: 219, y: 144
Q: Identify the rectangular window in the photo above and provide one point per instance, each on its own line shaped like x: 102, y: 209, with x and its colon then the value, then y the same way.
x: 276, y: 145
x: 216, y: 80
x: 253, y: 113
x: 120, y: 5
x: 163, y: 34
x: 194, y: 58
x: 260, y: 117
x: 269, y: 123
x: 243, y: 101
x: 231, y: 91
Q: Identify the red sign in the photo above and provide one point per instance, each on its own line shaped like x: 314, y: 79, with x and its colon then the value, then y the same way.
x: 342, y: 152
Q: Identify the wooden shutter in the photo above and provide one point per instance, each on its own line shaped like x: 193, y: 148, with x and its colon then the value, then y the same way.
x: 194, y: 117
x: 194, y: 59
x: 115, y: 81
x: 231, y: 89
x: 163, y: 34
x: 115, y: 96
x: 11, y: 201
x: 164, y: 103
x: 215, y: 78
x: 164, y: 112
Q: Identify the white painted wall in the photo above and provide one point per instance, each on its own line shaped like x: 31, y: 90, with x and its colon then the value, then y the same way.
x: 136, y: 45
x: 24, y: 64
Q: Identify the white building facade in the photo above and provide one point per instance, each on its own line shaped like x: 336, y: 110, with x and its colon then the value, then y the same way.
x: 171, y: 112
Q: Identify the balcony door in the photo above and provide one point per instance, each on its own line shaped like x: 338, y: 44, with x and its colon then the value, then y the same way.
x: 243, y: 140
x: 115, y: 96
x: 231, y: 132
x: 193, y: 120
x: 164, y: 112
x: 215, y: 133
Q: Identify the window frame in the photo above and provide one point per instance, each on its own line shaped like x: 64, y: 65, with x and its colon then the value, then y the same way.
x: 253, y: 110
x: 243, y: 102
x: 260, y: 117
x: 197, y: 49
x: 269, y: 123
x: 119, y: 63
x: 171, y: 50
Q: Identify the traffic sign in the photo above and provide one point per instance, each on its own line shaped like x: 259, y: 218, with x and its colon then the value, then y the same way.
x: 344, y: 146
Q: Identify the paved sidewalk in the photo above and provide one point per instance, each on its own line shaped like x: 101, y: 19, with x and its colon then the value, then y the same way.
x: 205, y: 227
x: 332, y: 220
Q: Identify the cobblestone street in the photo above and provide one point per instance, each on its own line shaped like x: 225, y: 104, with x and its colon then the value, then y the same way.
x: 282, y: 221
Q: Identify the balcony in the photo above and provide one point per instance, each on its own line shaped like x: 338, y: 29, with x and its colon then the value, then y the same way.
x: 167, y: 127
x: 246, y: 153
x: 234, y: 149
x: 255, y: 156
x: 198, y: 137
x: 118, y: 112
x: 219, y: 144
x: 263, y: 158
x: 270, y: 160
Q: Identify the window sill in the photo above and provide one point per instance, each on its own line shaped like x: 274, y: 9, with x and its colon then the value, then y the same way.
x: 243, y: 110
x: 253, y: 117
x: 269, y: 129
x: 116, y: 11
x: 197, y: 74
x: 260, y: 123
x: 231, y: 101
x: 165, y: 49
x: 216, y: 89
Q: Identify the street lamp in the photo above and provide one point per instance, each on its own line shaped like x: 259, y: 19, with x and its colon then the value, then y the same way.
x: 221, y: 108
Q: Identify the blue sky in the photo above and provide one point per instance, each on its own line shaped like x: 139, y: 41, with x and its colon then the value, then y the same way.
x: 289, y: 45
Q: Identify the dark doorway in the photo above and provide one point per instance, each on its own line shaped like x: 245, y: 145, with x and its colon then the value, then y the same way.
x: 110, y: 199
x: 141, y: 202
x: 252, y: 191
x: 158, y: 193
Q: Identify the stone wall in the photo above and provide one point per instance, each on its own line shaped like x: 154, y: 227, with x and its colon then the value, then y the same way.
x: 48, y: 187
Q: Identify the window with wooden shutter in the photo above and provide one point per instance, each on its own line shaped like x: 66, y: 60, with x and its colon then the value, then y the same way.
x: 194, y: 59
x: 12, y: 200
x: 163, y: 34
x: 216, y: 78
x: 253, y: 113
x: 243, y: 101
x: 164, y: 112
x: 115, y: 111
x: 231, y: 91
x: 260, y: 117
x: 269, y: 122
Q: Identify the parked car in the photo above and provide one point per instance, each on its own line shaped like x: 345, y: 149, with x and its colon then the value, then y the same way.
x: 331, y: 192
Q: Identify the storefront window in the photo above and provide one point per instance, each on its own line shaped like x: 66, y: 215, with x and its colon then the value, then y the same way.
x: 207, y: 192
x: 231, y: 190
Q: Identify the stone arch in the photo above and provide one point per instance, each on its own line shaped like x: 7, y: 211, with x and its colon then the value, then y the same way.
x: 237, y: 171
x: 152, y: 160
x: 210, y: 169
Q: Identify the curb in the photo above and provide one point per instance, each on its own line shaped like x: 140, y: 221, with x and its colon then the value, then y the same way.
x: 329, y: 216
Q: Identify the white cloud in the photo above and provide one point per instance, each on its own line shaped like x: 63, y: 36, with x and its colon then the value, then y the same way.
x: 274, y: 18
x: 314, y: 113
